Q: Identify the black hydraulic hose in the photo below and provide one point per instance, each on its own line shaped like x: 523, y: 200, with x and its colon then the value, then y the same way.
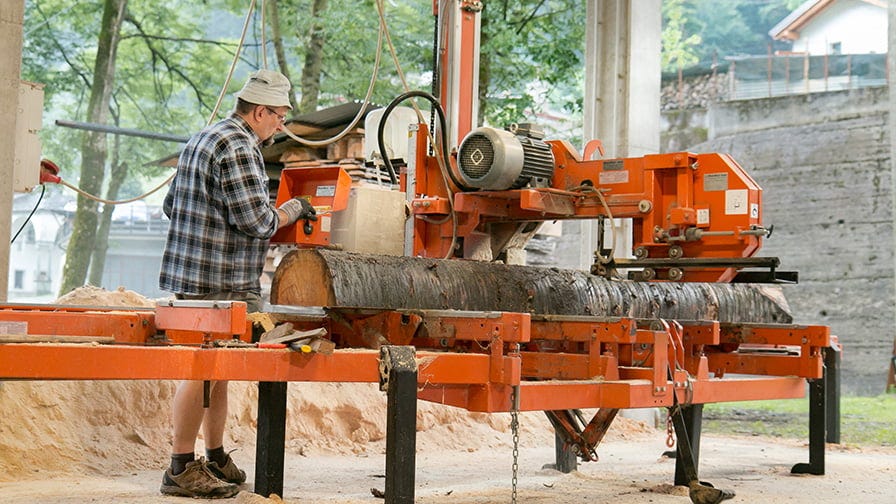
x: 43, y: 189
x: 438, y: 108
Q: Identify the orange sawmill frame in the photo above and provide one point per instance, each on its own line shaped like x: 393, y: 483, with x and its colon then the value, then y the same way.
x: 558, y: 362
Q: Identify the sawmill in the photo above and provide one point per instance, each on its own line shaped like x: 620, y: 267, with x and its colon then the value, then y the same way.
x: 417, y: 282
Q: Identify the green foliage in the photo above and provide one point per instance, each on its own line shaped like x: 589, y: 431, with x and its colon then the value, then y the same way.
x: 730, y: 28
x: 533, y: 52
x: 350, y: 29
x: 679, y: 47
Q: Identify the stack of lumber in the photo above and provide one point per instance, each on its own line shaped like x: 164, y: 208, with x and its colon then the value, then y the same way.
x: 348, y: 153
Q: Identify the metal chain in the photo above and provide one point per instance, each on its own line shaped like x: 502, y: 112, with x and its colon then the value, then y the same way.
x: 670, y: 433
x: 515, y: 428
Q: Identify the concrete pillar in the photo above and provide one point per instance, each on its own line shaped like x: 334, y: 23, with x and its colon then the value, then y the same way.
x: 622, y: 103
x: 622, y: 90
x: 12, y: 18
x: 891, y: 79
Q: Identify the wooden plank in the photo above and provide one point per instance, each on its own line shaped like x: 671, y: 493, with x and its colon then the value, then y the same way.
x: 276, y: 332
x: 53, y: 338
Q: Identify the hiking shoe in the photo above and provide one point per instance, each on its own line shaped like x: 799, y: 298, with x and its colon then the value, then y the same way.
x: 197, y: 481
x: 229, y: 472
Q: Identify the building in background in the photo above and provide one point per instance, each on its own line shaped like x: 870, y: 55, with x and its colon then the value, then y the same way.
x: 37, y: 256
x: 821, y: 27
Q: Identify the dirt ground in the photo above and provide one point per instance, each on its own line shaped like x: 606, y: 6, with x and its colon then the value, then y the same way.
x: 631, y: 470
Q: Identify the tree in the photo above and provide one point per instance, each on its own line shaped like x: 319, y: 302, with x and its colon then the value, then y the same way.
x: 679, y: 49
x: 93, y: 147
x: 532, y: 59
x: 279, y: 50
x: 313, y: 56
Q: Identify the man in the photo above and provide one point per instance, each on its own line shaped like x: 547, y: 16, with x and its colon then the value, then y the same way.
x: 221, y: 222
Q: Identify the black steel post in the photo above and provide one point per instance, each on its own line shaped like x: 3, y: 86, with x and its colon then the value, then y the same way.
x: 832, y: 388
x: 685, y: 458
x: 693, y: 422
x: 817, y: 411
x: 398, y: 378
x: 566, y: 460
x: 271, y: 438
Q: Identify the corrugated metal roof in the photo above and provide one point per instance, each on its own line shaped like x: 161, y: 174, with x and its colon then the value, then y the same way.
x: 340, y: 115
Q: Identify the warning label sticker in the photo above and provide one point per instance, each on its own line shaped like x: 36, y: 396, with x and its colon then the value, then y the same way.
x: 715, y: 182
x: 702, y: 216
x: 614, y: 177
x: 325, y: 191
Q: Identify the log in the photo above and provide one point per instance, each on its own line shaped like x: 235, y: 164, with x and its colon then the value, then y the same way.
x: 330, y: 278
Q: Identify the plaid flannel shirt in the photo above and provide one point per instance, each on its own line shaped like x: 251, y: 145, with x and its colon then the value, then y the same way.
x: 221, y: 214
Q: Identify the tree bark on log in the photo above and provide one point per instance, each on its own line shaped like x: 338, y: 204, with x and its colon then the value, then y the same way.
x: 330, y: 278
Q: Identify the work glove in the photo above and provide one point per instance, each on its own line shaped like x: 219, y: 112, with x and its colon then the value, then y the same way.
x: 298, y: 208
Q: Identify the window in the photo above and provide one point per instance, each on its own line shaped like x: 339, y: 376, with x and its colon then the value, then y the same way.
x: 19, y: 279
x: 836, y: 48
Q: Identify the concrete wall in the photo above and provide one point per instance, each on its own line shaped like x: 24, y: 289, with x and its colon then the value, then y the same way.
x: 823, y: 161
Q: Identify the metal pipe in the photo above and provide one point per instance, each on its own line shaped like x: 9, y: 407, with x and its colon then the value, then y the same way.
x: 115, y: 130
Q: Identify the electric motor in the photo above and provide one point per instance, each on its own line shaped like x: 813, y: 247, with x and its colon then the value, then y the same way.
x: 496, y: 160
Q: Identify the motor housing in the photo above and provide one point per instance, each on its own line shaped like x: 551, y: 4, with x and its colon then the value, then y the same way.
x: 495, y: 160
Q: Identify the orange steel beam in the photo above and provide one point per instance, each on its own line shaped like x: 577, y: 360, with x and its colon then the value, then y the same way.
x: 216, y: 317
x: 37, y: 361
x: 744, y: 389
x: 119, y: 362
x: 810, y: 366
x: 776, y: 334
x: 463, y: 380
x: 125, y: 324
x: 558, y: 395
x: 612, y: 330
x: 585, y: 374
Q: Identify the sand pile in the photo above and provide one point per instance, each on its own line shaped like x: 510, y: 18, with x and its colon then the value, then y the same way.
x: 118, y: 427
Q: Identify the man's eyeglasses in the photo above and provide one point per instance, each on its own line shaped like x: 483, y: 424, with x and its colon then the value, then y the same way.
x: 281, y: 117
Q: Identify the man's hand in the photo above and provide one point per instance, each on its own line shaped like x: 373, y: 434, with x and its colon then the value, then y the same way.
x: 295, y: 209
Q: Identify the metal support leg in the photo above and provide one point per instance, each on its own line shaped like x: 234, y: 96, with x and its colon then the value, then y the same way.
x: 693, y: 422
x: 817, y: 412
x: 566, y: 460
x: 832, y: 389
x: 271, y: 438
x: 398, y: 377
x: 700, y: 492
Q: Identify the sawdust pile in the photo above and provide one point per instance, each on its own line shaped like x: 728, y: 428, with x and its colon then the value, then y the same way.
x: 118, y: 427
x: 98, y: 296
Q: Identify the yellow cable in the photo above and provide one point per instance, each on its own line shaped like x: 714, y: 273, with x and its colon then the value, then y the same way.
x: 111, y: 202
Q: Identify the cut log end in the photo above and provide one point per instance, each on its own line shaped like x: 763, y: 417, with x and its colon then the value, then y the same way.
x: 302, y: 279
